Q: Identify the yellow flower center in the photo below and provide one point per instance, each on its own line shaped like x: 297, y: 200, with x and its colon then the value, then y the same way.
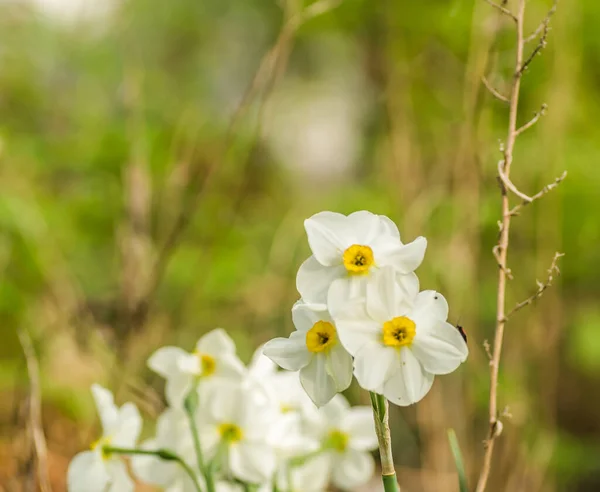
x: 285, y: 408
x: 230, y: 433
x: 399, y: 332
x: 337, y: 440
x: 101, y: 443
x: 320, y: 337
x: 208, y: 364
x: 358, y: 259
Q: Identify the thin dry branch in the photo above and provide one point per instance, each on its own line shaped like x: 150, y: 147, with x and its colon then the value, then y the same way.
x: 35, y: 411
x: 494, y: 91
x: 544, y: 24
x: 534, y: 120
x: 541, y: 286
x: 546, y: 189
x: 502, y: 9
x: 500, y: 251
x: 509, y: 184
x: 545, y: 27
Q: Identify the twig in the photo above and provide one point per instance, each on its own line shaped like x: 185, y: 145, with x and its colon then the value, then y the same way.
x: 488, y: 349
x: 502, y: 251
x: 35, y: 411
x: 533, y: 121
x: 541, y: 287
x: 508, y: 183
x: 502, y: 9
x: 543, y: 25
x: 493, y: 91
x: 546, y: 189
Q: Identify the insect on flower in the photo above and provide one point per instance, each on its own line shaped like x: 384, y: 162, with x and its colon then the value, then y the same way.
x: 462, y: 332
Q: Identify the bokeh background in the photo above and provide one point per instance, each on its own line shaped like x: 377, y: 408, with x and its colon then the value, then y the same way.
x: 157, y: 159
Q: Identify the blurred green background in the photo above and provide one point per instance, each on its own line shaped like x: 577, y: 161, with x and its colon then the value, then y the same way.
x: 157, y: 159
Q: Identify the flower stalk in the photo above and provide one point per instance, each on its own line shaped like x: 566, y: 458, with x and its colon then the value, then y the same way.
x: 190, y: 405
x: 382, y: 429
x: 163, y: 454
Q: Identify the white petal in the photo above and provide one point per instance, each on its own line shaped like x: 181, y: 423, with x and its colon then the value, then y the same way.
x: 440, y: 348
x: 120, y: 481
x: 346, y: 290
x: 359, y: 425
x: 389, y: 227
x: 431, y: 304
x: 408, y: 285
x: 335, y: 410
x: 229, y: 366
x: 317, y: 382
x: 340, y: 367
x: 151, y: 469
x: 365, y: 227
x: 328, y: 236
x: 305, y: 315
x: 260, y: 365
x: 289, y: 353
x: 313, y: 280
x: 372, y: 364
x: 353, y: 469
x: 410, y: 383
x: 128, y: 428
x: 405, y: 258
x: 252, y: 462
x: 165, y: 361
x: 313, y: 476
x: 225, y: 400
x: 177, y: 388
x: 384, y: 298
x: 355, y: 328
x: 87, y: 473
x: 107, y: 410
x: 216, y: 342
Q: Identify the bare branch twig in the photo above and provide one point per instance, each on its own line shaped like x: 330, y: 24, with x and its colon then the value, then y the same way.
x: 541, y: 286
x: 494, y: 91
x: 534, y: 120
x: 502, y: 9
x: 549, y: 187
x: 543, y: 25
x: 35, y: 411
x: 509, y: 184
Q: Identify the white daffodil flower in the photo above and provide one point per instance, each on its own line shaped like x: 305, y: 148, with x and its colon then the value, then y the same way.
x: 238, y: 432
x: 96, y: 470
x: 399, y: 344
x: 214, y: 359
x: 314, y: 350
x: 174, y: 434
x: 347, y: 249
x: 347, y: 435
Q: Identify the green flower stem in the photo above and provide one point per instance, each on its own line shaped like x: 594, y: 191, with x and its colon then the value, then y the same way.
x: 191, y: 405
x: 382, y: 429
x: 162, y: 454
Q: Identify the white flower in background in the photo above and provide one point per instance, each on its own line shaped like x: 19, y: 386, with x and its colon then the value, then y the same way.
x: 347, y: 249
x: 347, y: 435
x: 399, y: 344
x: 173, y: 433
x: 95, y: 470
x: 239, y: 429
x: 310, y: 476
x: 315, y: 350
x: 214, y: 359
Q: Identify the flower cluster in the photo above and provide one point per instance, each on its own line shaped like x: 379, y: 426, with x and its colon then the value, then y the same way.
x: 361, y: 313
x: 228, y: 428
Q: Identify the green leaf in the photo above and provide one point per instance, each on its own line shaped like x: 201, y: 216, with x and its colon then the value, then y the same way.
x: 458, y: 461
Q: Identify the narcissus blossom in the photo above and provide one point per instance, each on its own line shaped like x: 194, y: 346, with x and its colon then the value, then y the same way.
x: 348, y: 249
x: 214, y: 359
x: 347, y: 435
x: 399, y: 343
x: 313, y: 349
x: 96, y: 470
x: 238, y: 430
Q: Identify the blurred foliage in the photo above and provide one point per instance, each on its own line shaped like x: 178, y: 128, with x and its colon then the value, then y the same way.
x: 116, y: 130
